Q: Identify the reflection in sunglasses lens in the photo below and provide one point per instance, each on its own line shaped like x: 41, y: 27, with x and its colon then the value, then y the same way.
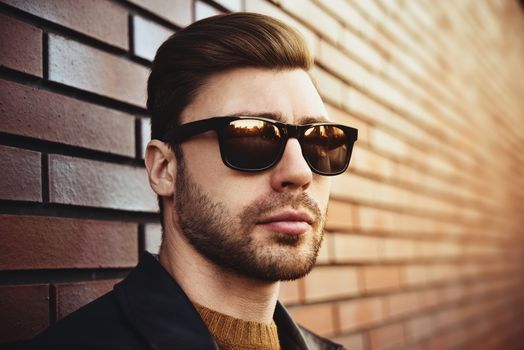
x: 251, y: 144
x: 325, y: 148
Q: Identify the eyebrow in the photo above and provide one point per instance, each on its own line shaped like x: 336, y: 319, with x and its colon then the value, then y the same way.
x: 279, y: 118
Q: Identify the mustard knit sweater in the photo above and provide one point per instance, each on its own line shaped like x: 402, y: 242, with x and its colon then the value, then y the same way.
x: 234, y: 334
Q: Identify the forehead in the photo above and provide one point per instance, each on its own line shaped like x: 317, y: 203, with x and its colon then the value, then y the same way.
x: 289, y: 95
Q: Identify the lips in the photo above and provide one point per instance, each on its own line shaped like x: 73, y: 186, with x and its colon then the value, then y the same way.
x: 288, y: 222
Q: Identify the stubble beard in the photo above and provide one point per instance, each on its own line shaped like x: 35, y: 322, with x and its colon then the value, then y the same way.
x: 228, y: 241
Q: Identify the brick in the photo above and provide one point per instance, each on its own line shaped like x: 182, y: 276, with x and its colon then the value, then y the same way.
x: 26, y: 58
x: 353, y: 342
x: 376, y: 38
x: 341, y: 64
x: 360, y: 313
x: 415, y: 275
x: 83, y: 67
x: 418, y: 346
x: 331, y: 282
x: 266, y: 8
x: 387, y: 337
x: 399, y: 77
x: 347, y: 14
x: 373, y: 219
x: 325, y: 252
x: 388, y: 143
x: 416, y: 10
x: 352, y: 187
x: 21, y: 174
x: 355, y: 248
x: 102, y: 20
x: 444, y: 272
x: 401, y: 304
x: 359, y: 48
x: 398, y: 34
x: 97, y: 184
x: 31, y: 112
x: 72, y: 296
x: 203, y: 10
x: 318, y: 318
x: 291, y: 292
x: 447, y: 318
x: 453, y: 293
x: 477, y: 289
x: 231, y: 5
x: 315, y: 17
x: 25, y: 311
x: 362, y: 105
x: 419, y: 328
x: 373, y: 13
x: 340, y: 216
x: 415, y: 225
x: 391, y: 95
x: 328, y: 86
x: 379, y: 278
x: 38, y: 242
x: 410, y: 175
x: 147, y: 37
x: 441, y: 165
x: 153, y: 238
x: 437, y: 342
x: 471, y: 269
x: 429, y: 298
x: 472, y: 311
x: 397, y: 249
x: 178, y: 12
x: 455, y: 337
x: 394, y: 98
x: 364, y: 160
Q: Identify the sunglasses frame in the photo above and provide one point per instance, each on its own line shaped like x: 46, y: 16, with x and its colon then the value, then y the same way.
x: 217, y: 124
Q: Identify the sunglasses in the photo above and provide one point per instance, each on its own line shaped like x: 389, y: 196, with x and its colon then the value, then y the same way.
x: 256, y: 144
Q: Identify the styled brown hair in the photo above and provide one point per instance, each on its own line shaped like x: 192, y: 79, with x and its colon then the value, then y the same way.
x: 212, y: 45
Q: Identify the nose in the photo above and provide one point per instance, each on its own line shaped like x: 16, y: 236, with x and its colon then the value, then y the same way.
x: 292, y: 171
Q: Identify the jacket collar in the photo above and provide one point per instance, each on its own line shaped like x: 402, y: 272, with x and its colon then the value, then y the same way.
x: 159, y: 310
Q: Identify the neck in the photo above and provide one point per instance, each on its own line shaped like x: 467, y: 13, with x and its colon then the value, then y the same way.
x: 214, y: 287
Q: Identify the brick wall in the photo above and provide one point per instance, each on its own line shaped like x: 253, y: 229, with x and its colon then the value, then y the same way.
x: 424, y: 248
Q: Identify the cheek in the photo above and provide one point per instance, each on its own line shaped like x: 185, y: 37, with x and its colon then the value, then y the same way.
x: 202, y: 161
x: 220, y: 183
x: 238, y: 190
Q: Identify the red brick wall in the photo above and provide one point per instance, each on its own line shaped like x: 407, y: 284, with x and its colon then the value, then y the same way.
x: 424, y: 248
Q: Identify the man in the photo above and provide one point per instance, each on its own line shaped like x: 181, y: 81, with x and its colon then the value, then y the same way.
x: 240, y: 157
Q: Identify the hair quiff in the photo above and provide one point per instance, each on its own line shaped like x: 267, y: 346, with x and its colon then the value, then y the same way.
x: 212, y: 45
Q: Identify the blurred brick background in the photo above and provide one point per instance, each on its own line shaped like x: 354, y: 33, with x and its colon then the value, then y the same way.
x: 424, y: 248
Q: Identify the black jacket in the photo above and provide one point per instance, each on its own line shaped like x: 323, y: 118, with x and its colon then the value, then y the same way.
x: 149, y: 310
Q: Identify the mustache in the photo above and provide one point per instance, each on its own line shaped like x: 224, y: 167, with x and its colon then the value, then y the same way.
x: 270, y: 203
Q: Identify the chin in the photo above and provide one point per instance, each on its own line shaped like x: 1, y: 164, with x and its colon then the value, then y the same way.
x: 284, y: 262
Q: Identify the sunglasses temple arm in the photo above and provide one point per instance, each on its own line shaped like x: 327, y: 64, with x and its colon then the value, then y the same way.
x: 185, y: 131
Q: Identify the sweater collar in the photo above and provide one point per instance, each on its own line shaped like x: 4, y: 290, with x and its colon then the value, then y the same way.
x: 159, y: 310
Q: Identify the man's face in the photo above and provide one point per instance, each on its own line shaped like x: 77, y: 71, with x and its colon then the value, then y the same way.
x: 266, y: 225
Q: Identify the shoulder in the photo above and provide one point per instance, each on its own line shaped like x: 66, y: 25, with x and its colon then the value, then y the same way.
x: 98, y: 325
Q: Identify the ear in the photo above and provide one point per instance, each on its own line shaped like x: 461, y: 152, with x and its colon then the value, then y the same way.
x: 160, y: 163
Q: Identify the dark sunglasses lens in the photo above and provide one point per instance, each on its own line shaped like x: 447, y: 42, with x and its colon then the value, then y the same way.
x: 327, y: 149
x: 250, y: 144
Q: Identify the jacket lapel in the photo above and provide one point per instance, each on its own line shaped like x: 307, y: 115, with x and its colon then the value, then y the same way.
x: 289, y: 333
x: 159, y: 310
